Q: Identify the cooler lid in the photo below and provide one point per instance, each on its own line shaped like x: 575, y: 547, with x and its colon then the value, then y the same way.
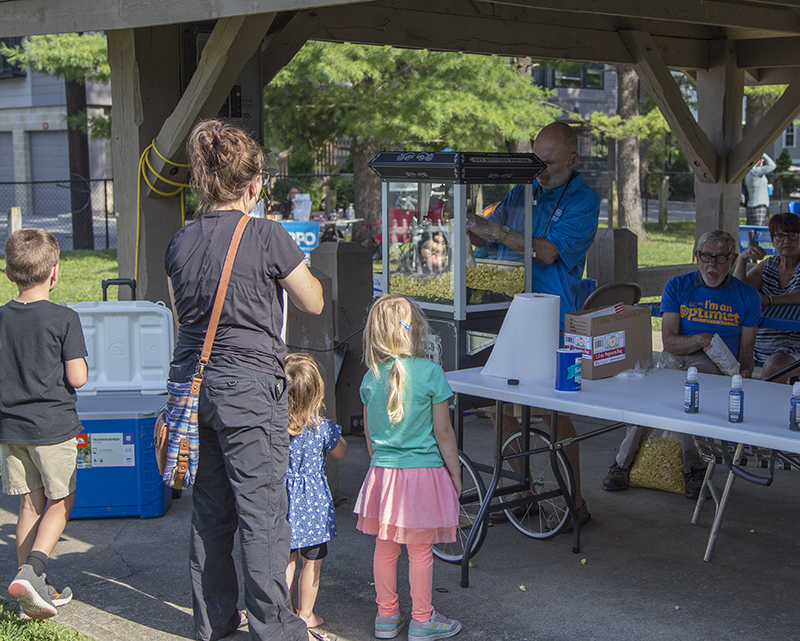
x: 130, y: 346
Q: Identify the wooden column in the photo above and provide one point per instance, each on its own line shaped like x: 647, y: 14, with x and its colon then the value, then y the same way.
x: 145, y: 85
x: 719, y: 113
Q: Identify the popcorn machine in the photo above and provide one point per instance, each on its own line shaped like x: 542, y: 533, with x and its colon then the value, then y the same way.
x: 426, y: 252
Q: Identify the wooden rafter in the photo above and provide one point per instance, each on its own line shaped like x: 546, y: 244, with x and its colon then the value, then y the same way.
x: 231, y: 44
x: 656, y: 76
x: 764, y: 133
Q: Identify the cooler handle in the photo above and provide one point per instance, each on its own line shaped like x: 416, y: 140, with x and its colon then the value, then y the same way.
x: 130, y: 282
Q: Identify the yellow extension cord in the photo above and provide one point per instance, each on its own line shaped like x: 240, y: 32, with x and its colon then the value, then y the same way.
x: 144, y: 163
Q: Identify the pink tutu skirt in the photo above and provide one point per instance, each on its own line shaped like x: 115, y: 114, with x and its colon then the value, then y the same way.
x: 416, y: 505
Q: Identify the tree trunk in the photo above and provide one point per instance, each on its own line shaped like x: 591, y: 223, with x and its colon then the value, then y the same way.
x: 524, y: 66
x: 79, y: 186
x: 630, y: 193
x: 367, y: 187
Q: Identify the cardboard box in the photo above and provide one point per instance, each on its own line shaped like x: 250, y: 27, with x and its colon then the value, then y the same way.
x: 612, y: 342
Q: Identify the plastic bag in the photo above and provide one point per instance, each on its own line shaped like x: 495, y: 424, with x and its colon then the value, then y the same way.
x: 640, y: 370
x: 668, y: 361
x: 722, y: 356
x: 659, y: 463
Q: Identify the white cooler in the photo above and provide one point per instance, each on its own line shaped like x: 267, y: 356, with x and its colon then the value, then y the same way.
x: 130, y: 348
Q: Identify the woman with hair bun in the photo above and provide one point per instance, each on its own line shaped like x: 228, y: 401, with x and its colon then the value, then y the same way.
x: 243, y: 404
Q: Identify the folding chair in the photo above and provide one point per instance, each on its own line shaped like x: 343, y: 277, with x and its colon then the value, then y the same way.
x: 735, y: 456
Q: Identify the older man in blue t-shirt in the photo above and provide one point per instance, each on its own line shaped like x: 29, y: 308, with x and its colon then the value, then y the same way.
x: 565, y: 215
x: 694, y: 307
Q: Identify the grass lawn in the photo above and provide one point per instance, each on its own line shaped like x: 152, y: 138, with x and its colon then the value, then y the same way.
x: 13, y: 629
x: 80, y: 274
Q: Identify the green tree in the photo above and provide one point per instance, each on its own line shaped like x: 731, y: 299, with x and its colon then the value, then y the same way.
x: 385, y: 98
x: 77, y: 58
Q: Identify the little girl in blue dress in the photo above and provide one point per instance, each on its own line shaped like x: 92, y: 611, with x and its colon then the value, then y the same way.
x: 311, y: 513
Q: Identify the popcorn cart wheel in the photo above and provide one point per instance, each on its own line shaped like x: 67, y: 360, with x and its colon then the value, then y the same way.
x: 472, y: 493
x: 547, y: 517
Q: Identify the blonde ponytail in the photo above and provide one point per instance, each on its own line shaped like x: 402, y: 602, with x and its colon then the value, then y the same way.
x: 395, y: 329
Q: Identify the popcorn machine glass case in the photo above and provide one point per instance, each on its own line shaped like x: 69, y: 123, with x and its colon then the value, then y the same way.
x: 426, y: 253
x: 427, y: 256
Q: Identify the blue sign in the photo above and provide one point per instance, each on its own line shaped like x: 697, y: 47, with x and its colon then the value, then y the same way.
x: 304, y: 233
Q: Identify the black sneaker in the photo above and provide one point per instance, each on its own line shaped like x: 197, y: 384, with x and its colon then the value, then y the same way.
x: 694, y: 481
x: 617, y: 479
x: 31, y: 592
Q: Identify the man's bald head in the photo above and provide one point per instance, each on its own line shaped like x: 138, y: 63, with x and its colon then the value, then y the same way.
x: 557, y: 146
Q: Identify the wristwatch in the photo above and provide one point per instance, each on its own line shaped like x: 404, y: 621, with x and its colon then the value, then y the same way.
x: 504, y: 234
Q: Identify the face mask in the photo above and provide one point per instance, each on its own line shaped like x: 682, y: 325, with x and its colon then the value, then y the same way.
x: 258, y: 210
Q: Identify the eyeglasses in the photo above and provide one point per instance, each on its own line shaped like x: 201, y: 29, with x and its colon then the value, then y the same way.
x: 720, y: 258
x: 792, y: 235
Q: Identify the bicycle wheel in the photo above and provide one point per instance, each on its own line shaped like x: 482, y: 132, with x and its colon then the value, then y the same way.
x: 544, y: 519
x: 472, y: 493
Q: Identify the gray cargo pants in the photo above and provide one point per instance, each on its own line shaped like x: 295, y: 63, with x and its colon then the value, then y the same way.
x: 240, y: 483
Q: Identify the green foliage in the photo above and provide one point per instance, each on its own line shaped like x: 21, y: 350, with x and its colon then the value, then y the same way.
x: 401, y: 98
x: 80, y: 275
x: 14, y: 629
x: 75, y: 57
x: 72, y: 56
x: 784, y: 182
x: 344, y: 188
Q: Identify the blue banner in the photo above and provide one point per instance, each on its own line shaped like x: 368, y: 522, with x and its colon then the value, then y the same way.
x: 304, y: 233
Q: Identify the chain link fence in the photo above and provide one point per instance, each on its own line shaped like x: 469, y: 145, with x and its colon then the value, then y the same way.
x: 79, y: 213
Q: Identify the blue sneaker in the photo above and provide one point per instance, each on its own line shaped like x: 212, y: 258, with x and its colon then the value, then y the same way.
x: 437, y: 627
x: 389, y: 627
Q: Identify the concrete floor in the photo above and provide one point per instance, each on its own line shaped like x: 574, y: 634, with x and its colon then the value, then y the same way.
x: 639, y: 575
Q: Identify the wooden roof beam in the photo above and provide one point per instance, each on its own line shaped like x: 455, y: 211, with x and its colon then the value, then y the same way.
x: 763, y: 134
x: 231, y: 44
x: 656, y: 76
x: 710, y: 12
x: 499, y: 33
x: 285, y: 38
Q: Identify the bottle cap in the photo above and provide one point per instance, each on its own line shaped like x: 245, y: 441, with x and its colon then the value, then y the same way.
x: 736, y: 381
x: 691, y: 374
x: 796, y: 389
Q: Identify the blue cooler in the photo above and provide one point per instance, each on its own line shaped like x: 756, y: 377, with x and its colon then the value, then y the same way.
x: 130, y: 347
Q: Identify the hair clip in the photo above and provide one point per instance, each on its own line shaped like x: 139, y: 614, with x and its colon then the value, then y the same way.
x: 406, y: 325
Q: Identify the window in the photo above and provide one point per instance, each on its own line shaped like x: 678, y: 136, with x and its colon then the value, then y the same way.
x: 7, y: 70
x: 575, y: 74
x: 788, y: 136
x: 568, y: 74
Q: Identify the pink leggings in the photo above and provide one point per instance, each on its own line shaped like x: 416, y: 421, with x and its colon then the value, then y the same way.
x: 420, y: 577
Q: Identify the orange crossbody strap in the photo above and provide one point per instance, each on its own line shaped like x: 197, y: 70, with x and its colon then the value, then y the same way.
x: 218, y: 301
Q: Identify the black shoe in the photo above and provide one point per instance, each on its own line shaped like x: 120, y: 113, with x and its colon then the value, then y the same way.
x: 694, y: 481
x: 583, y: 518
x: 617, y: 479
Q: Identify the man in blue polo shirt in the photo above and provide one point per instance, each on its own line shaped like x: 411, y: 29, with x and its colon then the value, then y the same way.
x: 565, y: 214
x: 694, y: 307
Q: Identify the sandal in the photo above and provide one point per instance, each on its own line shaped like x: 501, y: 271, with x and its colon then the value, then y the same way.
x: 321, y: 635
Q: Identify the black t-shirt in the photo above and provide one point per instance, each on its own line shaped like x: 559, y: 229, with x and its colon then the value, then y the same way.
x: 37, y: 404
x: 249, y: 331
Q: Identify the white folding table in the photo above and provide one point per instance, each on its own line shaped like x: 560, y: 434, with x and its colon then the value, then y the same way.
x: 655, y: 400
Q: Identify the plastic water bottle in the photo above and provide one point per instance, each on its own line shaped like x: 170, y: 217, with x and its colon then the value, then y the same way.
x: 794, y: 409
x: 350, y: 212
x: 691, y: 392
x: 736, y: 400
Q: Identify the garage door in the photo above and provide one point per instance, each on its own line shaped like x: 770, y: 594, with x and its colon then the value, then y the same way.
x: 50, y: 162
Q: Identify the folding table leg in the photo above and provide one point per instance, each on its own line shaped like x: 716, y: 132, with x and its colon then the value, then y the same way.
x: 712, y: 537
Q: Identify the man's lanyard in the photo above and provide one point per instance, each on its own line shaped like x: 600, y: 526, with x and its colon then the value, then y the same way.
x: 558, y: 202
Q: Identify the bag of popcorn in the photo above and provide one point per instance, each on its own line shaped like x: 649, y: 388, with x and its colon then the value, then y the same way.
x: 659, y: 463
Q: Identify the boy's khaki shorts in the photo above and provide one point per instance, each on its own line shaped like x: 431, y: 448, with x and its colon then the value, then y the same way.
x: 28, y: 467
